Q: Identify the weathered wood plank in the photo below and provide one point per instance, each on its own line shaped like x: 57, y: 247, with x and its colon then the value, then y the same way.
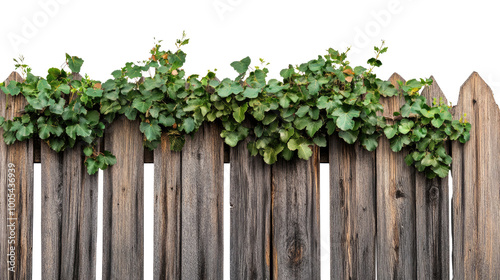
x: 16, y: 236
x: 295, y: 218
x: 123, y: 199
x: 167, y: 228
x: 250, y: 215
x: 396, y: 241
x: 69, y: 209
x: 202, y: 204
x: 433, y: 255
x: 352, y: 211
x: 69, y: 212
x: 476, y: 177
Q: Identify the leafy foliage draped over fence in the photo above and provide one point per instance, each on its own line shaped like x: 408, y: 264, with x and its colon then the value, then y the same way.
x: 312, y: 101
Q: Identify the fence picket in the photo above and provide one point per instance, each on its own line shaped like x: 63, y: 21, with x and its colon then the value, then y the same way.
x: 396, y: 246
x: 295, y: 218
x: 21, y: 155
x: 250, y: 215
x: 123, y: 199
x: 352, y: 211
x: 433, y: 254
x: 202, y: 204
x: 69, y: 214
x: 476, y: 177
x: 167, y: 220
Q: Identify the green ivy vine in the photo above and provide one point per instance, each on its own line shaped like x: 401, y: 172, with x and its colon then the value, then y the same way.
x: 312, y: 101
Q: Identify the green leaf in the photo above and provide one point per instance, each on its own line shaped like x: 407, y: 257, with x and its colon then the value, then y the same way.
x: 43, y: 85
x: 88, y: 151
x: 239, y: 113
x: 58, y: 108
x: 24, y: 132
x: 94, y: 92
x: 437, y: 122
x: 331, y: 126
x: 233, y: 137
x: 75, y: 63
x: 108, y: 159
x: 151, y: 130
x: 390, y: 131
x: 441, y: 170
x: 302, y: 147
x: 313, y: 127
x: 252, y: 148
x: 409, y: 160
x: 429, y: 160
x: 116, y: 74
x: 141, y: 105
x: 56, y: 144
x: 345, y: 118
x: 242, y: 65
x: 398, y: 142
x: 77, y: 129
x: 166, y: 120
x: 405, y: 126
x: 188, y: 125
x: 302, y: 111
x: 287, y: 73
x: 370, y: 142
x: 320, y: 141
x: 313, y: 87
x: 349, y: 136
x: 251, y: 92
x: 12, y: 88
x: 92, y: 166
x: 269, y: 118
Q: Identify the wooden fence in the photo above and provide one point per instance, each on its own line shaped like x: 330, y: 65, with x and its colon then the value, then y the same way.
x: 386, y: 219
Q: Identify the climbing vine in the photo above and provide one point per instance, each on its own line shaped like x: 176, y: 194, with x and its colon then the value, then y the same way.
x: 285, y: 117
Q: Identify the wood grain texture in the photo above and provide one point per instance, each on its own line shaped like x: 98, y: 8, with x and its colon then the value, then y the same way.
x: 352, y: 211
x: 202, y: 204
x: 250, y: 201
x: 295, y: 218
x: 21, y: 155
x: 476, y: 192
x: 69, y: 212
x: 123, y: 199
x: 433, y: 253
x: 167, y: 209
x: 396, y: 221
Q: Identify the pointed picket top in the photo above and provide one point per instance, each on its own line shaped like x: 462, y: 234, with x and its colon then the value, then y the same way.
x: 433, y: 91
x: 476, y: 207
x: 14, y: 76
x: 395, y: 77
x: 392, y: 104
x: 15, y: 102
x: 475, y: 90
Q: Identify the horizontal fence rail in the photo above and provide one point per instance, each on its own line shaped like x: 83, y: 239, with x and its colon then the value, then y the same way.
x: 386, y: 219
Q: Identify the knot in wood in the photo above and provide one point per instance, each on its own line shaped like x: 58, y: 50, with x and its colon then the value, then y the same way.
x: 400, y: 194
x: 295, y: 252
x: 433, y: 193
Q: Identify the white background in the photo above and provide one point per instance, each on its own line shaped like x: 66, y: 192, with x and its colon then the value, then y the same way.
x: 446, y: 39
